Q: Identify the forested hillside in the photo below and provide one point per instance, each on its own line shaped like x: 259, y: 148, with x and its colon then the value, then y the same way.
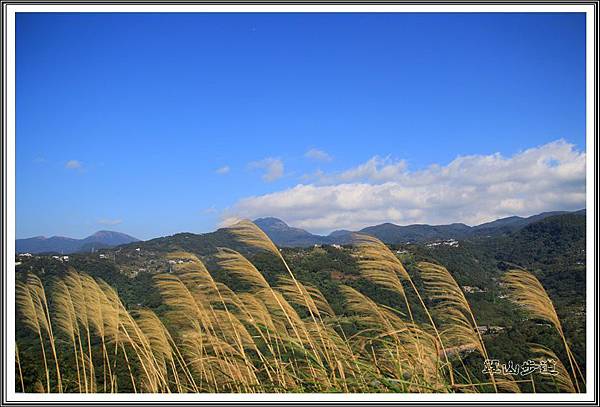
x: 553, y: 249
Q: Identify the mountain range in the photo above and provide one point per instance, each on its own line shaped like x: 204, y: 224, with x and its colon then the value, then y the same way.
x: 66, y: 245
x: 287, y: 236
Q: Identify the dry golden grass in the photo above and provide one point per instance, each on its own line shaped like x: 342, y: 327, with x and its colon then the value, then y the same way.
x: 527, y: 292
x: 267, y: 338
x: 562, y: 380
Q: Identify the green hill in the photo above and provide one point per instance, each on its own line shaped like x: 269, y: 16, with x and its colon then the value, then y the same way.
x: 552, y: 248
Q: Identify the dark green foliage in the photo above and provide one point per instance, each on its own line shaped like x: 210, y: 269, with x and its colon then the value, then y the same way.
x: 552, y: 248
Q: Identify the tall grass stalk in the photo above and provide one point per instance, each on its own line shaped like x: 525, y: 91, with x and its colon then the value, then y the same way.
x: 527, y: 292
x: 280, y: 337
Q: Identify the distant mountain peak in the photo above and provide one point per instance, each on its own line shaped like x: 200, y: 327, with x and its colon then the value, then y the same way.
x: 103, y: 232
x: 338, y: 233
x: 269, y: 219
x: 271, y: 222
x: 61, y: 244
x: 110, y: 233
x: 284, y: 235
x: 111, y: 238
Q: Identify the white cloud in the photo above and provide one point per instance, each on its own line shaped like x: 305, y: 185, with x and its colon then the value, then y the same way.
x: 273, y: 168
x: 74, y: 164
x: 471, y: 189
x: 110, y: 222
x: 317, y: 155
x: 376, y: 169
x: 223, y: 170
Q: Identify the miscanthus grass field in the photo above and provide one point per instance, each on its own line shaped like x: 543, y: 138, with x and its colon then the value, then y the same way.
x: 285, y: 337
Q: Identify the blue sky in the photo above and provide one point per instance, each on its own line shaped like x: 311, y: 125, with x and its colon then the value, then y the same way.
x: 153, y: 124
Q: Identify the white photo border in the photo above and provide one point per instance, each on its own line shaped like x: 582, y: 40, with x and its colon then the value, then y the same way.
x: 9, y: 10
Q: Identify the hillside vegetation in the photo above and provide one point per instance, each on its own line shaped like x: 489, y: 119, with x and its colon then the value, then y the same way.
x: 231, y: 312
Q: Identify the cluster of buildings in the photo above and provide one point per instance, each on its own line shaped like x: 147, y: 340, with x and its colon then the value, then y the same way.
x: 28, y: 255
x: 179, y: 261
x: 449, y: 242
x: 490, y: 329
x: 335, y: 246
x: 472, y: 289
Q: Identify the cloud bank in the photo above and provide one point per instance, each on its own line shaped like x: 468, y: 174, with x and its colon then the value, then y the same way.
x: 471, y: 189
